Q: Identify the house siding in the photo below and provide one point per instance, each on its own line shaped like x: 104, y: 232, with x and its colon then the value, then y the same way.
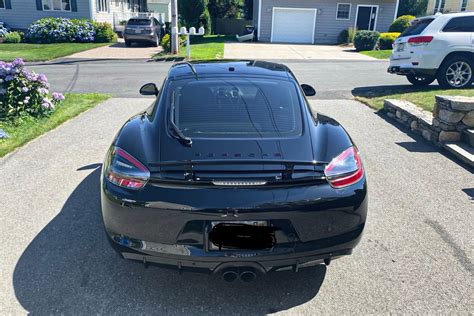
x: 24, y: 12
x: 450, y: 6
x: 122, y: 10
x: 327, y: 26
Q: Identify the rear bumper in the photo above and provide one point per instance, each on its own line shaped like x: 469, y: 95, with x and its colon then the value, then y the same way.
x: 139, y: 38
x: 316, y: 223
x: 403, y: 71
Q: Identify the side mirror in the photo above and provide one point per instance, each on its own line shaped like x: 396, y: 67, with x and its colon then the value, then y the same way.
x: 149, y: 89
x: 308, y: 90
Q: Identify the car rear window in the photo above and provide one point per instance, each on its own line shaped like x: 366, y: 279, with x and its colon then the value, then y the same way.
x: 235, y: 108
x: 417, y: 27
x: 139, y: 22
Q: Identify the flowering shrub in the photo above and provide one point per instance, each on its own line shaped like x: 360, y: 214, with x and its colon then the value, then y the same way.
x: 3, y: 32
x: 24, y: 93
x: 60, y: 30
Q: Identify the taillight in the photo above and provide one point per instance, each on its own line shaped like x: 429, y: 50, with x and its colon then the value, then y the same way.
x: 420, y: 40
x: 124, y: 170
x: 344, y: 170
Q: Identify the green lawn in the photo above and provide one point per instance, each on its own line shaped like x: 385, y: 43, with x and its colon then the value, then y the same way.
x: 203, y: 48
x: 28, y: 129
x: 379, y: 54
x: 43, y: 52
x: 423, y: 99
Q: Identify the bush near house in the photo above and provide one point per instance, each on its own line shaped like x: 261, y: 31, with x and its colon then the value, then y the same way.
x: 343, y: 37
x: 166, y: 42
x: 62, y: 30
x: 104, y: 32
x: 366, y: 40
x: 386, y: 40
x: 347, y: 36
x: 401, y: 23
x: 12, y: 37
x: 24, y: 93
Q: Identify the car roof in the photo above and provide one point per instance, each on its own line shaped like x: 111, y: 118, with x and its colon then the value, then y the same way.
x: 229, y: 67
x: 446, y: 15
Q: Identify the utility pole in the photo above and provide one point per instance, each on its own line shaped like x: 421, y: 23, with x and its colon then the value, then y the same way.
x: 174, y: 27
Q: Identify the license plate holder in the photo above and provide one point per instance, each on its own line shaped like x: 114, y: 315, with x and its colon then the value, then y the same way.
x: 241, y: 235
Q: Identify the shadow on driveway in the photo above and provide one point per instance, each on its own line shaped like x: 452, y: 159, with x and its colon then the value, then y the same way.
x: 70, y: 268
x: 379, y: 91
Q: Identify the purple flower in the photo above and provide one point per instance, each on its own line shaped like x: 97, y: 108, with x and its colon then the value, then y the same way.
x: 43, y: 91
x: 18, y: 62
x: 47, y: 105
x: 58, y: 96
x: 8, y: 78
x: 42, y: 78
x: 25, y: 89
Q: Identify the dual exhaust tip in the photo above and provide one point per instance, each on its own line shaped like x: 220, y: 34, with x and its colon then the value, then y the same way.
x: 245, y: 275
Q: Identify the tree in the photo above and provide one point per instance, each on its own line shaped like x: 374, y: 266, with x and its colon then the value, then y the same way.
x: 194, y: 13
x: 413, y: 7
x: 219, y: 9
x: 248, y: 9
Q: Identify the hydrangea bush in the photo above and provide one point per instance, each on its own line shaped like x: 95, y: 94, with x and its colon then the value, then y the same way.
x: 62, y: 30
x: 24, y: 93
x: 3, y: 32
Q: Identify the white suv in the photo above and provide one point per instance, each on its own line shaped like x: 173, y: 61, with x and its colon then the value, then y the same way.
x: 436, y: 47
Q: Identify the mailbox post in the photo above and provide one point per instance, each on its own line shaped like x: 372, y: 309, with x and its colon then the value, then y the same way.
x: 192, y: 32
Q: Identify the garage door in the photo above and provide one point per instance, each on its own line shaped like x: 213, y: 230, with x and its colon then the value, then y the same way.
x: 293, y: 25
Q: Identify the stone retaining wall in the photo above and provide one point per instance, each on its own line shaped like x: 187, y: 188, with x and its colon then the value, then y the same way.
x: 450, y: 117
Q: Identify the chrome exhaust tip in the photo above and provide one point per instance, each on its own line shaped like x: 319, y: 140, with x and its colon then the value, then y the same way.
x: 230, y: 276
x: 248, y: 276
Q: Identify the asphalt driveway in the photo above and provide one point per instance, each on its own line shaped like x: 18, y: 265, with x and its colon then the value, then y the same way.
x: 271, y: 51
x: 416, y: 255
x: 119, y: 51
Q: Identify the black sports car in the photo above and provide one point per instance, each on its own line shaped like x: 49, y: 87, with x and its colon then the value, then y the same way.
x: 230, y: 172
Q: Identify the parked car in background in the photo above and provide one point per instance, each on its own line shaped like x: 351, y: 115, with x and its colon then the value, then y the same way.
x: 436, y: 47
x: 230, y: 172
x: 142, y: 29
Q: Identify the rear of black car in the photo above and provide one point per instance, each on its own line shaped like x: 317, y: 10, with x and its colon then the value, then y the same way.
x: 233, y: 172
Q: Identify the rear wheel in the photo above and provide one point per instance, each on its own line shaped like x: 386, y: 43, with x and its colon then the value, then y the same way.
x: 419, y: 80
x: 456, y: 72
x: 156, y: 42
x: 128, y: 43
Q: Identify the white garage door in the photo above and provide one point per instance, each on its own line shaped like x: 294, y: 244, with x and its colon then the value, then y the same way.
x: 293, y: 25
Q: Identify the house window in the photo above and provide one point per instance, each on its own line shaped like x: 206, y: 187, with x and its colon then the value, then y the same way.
x: 439, y: 6
x: 2, y: 4
x: 343, y: 11
x: 56, y: 5
x: 463, y: 5
x: 103, y: 5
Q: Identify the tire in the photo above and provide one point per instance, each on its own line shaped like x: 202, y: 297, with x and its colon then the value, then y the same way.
x: 456, y: 72
x: 156, y: 42
x: 420, y: 81
x: 128, y: 43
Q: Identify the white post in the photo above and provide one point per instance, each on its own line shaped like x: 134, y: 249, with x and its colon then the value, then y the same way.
x: 192, y: 31
x: 188, y: 47
x: 174, y: 27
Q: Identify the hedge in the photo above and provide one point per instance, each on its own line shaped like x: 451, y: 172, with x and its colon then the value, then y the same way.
x: 366, y: 40
x: 401, y: 24
x: 386, y: 40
